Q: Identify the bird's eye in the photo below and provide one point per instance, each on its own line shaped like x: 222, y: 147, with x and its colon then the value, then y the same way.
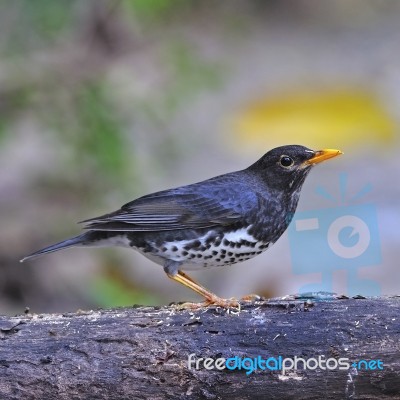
x: 286, y: 161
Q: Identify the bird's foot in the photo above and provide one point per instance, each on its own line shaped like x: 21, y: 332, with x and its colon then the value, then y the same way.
x: 212, y: 301
x: 251, y: 298
x: 224, y: 303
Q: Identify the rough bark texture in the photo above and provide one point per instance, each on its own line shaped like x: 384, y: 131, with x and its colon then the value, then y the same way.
x: 142, y: 352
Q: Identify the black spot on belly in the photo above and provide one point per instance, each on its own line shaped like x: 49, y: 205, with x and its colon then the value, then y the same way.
x: 212, y: 238
x: 164, y: 249
x: 233, y: 259
x: 217, y: 243
x: 214, y: 252
x: 193, y: 245
x: 223, y: 251
x: 230, y: 253
x: 207, y: 257
x: 217, y: 259
x: 184, y: 253
x: 226, y: 242
x: 174, y: 248
x: 222, y: 256
x: 199, y: 255
x: 264, y: 246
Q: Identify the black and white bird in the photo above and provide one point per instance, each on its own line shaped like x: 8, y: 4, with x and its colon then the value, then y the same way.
x: 220, y: 221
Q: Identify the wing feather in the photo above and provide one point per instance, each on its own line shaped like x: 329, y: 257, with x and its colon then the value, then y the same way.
x: 188, y: 207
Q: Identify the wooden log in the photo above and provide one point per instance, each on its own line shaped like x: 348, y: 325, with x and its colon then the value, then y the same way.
x: 142, y: 352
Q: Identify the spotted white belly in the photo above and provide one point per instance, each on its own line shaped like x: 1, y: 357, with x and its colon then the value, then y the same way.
x: 210, y: 250
x: 201, y: 253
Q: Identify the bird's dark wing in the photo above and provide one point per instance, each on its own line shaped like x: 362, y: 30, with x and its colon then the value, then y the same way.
x: 189, y: 207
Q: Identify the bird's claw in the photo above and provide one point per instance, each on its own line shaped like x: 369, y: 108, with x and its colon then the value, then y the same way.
x: 252, y: 297
x: 213, y: 301
x: 224, y: 303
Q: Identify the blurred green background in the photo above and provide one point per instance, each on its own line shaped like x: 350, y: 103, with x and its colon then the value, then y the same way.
x: 104, y: 101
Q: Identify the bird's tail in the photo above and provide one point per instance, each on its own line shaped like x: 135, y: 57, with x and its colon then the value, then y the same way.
x: 80, y: 240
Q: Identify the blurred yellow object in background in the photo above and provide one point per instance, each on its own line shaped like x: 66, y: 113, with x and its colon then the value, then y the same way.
x: 342, y: 117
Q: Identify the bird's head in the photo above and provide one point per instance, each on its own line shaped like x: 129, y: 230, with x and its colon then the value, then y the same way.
x: 286, y: 167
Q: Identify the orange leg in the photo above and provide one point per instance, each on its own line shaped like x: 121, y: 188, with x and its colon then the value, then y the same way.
x: 211, y: 298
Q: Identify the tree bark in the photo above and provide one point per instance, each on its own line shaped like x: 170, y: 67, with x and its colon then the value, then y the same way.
x: 142, y: 352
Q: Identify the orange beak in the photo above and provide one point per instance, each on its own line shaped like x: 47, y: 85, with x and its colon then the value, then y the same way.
x: 322, y: 155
